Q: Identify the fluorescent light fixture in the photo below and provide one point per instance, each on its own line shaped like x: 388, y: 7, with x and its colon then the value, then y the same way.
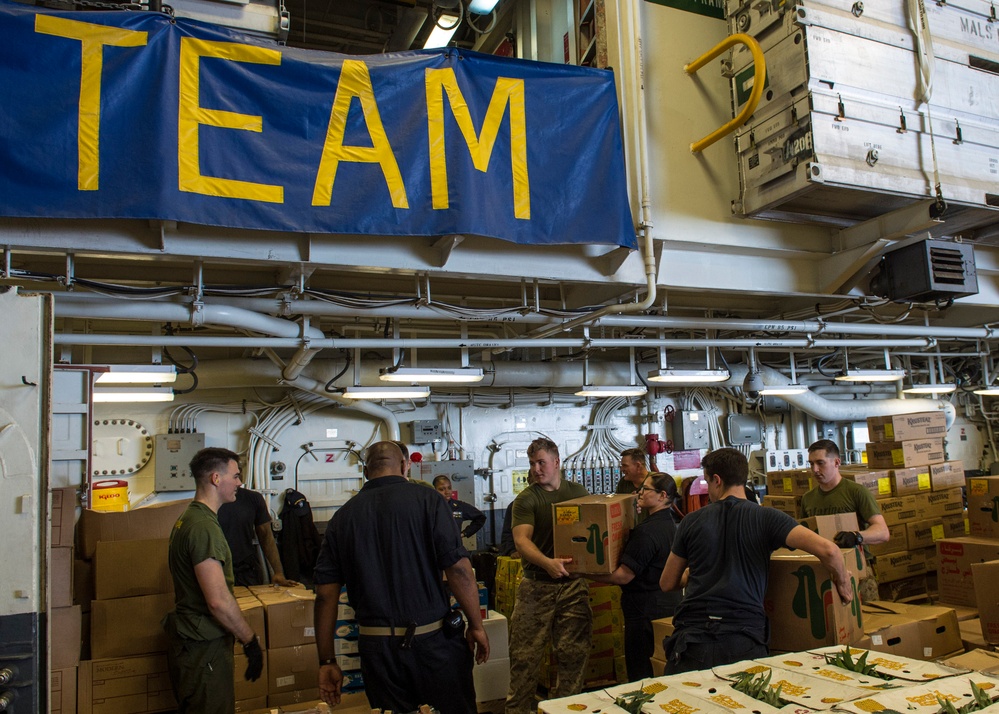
x: 931, y: 389
x: 688, y: 376
x: 992, y: 391
x: 871, y: 375
x: 482, y: 7
x: 138, y: 374
x: 126, y: 394
x: 627, y: 390
x: 431, y: 375
x: 783, y: 389
x: 439, y: 37
x: 410, y: 392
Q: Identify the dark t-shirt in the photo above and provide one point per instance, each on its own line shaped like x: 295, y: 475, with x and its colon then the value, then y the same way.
x: 195, y: 538
x: 389, y: 545
x: 239, y: 521
x: 533, y: 507
x: 646, y: 551
x: 462, y: 512
x: 727, y: 546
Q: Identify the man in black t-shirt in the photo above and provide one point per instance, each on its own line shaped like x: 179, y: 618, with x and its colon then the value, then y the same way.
x: 721, y: 555
x: 247, y: 517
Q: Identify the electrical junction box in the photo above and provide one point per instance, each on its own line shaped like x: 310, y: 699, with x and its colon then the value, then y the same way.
x: 427, y: 431
x: 785, y: 460
x: 744, y: 429
x: 173, y: 458
x: 690, y: 431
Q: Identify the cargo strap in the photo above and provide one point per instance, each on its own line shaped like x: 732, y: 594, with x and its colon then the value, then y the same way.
x: 398, y: 631
x: 924, y: 87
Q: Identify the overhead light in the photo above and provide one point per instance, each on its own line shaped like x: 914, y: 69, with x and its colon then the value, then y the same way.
x: 783, y: 389
x: 621, y: 391
x: 688, y: 376
x: 871, y: 375
x: 992, y: 391
x: 439, y: 37
x: 433, y: 375
x: 930, y: 389
x: 138, y: 374
x: 127, y: 394
x: 482, y: 7
x: 410, y: 392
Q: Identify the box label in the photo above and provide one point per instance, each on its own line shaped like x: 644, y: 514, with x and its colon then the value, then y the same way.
x: 938, y: 532
x: 566, y: 515
x: 978, y: 486
x: 285, y: 681
x: 884, y: 486
x: 924, y: 482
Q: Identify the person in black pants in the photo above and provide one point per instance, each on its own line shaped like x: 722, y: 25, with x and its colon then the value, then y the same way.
x: 641, y: 564
x: 460, y: 510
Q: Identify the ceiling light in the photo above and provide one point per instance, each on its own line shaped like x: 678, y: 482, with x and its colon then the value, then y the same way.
x: 410, y: 392
x: 439, y: 37
x: 930, y: 389
x: 621, y: 391
x: 126, y: 394
x: 421, y: 375
x: 992, y: 391
x: 871, y: 375
x: 688, y: 376
x: 482, y: 7
x: 138, y: 374
x: 783, y: 389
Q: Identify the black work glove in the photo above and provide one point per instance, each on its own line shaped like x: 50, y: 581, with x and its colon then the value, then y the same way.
x: 255, y: 659
x: 848, y: 539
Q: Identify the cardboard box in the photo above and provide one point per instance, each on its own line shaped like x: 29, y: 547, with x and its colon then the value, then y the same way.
x: 941, y: 503
x: 949, y: 474
x: 791, y: 505
x: 130, y: 568
x: 62, y: 691
x: 977, y: 660
x: 253, y: 612
x: 661, y: 630
x: 498, y: 629
x: 983, y: 506
x: 877, y: 482
x: 797, y: 603
x: 129, y: 685
x: 129, y: 626
x: 252, y: 706
x: 61, y: 577
x: 592, y: 530
x: 900, y: 509
x: 896, y: 541
x: 289, y: 617
x: 291, y: 669
x: 287, y: 700
x: 154, y: 521
x: 905, y: 589
x: 902, y: 427
x: 986, y: 577
x: 904, y: 454
x: 83, y: 583
x: 954, y: 559
x: 925, y: 533
x: 911, y: 480
x: 63, y: 517
x: 829, y: 525
x: 971, y: 635
x: 492, y: 679
x: 245, y: 689
x: 922, y: 632
x: 789, y: 483
x: 65, y: 625
x: 896, y: 566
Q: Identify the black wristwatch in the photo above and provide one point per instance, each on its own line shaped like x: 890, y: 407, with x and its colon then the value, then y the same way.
x: 324, y: 662
x: 860, y: 537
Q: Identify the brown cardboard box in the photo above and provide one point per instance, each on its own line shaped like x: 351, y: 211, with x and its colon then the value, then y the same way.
x: 925, y: 533
x: 949, y: 474
x: 129, y: 626
x: 289, y: 617
x: 592, y: 530
x: 791, y: 505
x: 658, y: 666
x: 154, y: 521
x: 900, y: 509
x: 65, y: 624
x: 971, y: 635
x: 291, y: 669
x: 61, y: 572
x: 253, y: 611
x: 130, y: 568
x: 661, y: 629
x: 829, y: 525
x: 922, y: 632
x: 795, y: 601
x: 912, y: 480
x: 289, y: 701
x: 954, y: 559
x: 986, y: 577
x: 789, y: 483
x: 62, y: 691
x: 983, y: 506
x: 902, y: 427
x: 949, y: 502
x: 83, y: 583
x: 128, y: 685
x: 903, y: 454
x: 245, y: 689
x: 896, y: 541
x: 897, y: 566
x: 978, y: 660
x: 905, y: 589
x: 251, y: 706
x: 63, y: 512
x: 877, y: 482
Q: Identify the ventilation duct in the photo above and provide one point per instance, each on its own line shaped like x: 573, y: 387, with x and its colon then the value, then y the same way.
x: 926, y: 271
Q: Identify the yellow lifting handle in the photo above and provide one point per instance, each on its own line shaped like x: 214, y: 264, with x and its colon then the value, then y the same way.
x: 759, y: 78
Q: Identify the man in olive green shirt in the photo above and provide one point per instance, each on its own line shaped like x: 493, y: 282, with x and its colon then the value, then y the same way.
x: 206, y: 615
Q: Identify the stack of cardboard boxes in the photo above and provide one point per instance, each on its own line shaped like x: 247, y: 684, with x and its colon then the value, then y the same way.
x: 65, y: 617
x: 785, y: 489
x: 250, y: 695
x: 345, y: 646
x: 292, y: 662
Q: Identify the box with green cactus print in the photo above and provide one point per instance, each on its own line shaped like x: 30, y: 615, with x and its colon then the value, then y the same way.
x: 804, y: 606
x: 592, y: 530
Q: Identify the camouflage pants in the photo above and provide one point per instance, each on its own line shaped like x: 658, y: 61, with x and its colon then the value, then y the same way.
x: 548, y: 612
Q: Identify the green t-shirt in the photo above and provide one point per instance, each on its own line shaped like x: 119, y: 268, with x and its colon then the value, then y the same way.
x: 196, y: 537
x: 626, y: 487
x: 846, y: 497
x: 533, y: 507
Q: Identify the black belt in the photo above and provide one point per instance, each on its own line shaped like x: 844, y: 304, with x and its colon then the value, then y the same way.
x: 393, y: 631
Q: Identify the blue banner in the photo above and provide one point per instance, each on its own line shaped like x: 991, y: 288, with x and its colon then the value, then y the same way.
x: 138, y: 115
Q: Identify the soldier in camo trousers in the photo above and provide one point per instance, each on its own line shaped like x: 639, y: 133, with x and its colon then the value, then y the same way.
x: 551, y: 605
